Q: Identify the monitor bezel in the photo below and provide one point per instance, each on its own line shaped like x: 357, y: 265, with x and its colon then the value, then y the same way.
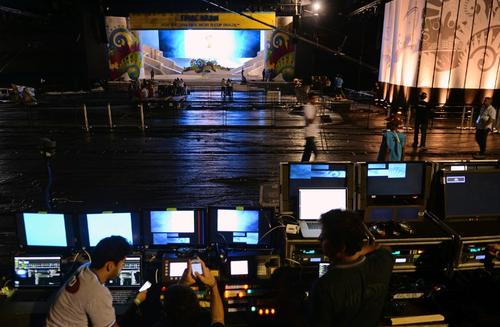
x: 264, y: 226
x: 69, y: 228
x: 287, y: 204
x: 199, y: 226
x: 37, y: 286
x: 84, y: 231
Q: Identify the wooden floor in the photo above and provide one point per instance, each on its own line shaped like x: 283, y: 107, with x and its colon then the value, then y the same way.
x: 207, y: 151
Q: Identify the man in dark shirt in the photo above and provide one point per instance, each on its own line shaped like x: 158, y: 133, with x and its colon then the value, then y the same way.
x: 422, y: 115
x: 353, y: 291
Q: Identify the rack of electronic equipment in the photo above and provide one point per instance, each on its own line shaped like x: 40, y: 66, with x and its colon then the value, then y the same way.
x: 437, y: 218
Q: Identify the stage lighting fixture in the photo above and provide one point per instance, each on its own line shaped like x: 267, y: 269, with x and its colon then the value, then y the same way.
x: 316, y: 6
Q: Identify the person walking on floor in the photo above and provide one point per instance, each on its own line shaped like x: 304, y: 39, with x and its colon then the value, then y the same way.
x: 311, y: 130
x: 484, y: 124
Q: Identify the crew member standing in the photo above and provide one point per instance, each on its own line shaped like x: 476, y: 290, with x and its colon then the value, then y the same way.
x: 422, y: 115
x: 484, y: 124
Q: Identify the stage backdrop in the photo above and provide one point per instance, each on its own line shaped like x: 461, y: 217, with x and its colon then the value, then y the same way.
x: 124, y: 49
x: 443, y: 44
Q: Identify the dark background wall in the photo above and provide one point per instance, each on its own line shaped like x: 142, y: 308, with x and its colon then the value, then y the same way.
x: 64, y: 41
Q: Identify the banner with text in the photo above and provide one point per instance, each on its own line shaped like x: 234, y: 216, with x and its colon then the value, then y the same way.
x: 202, y: 21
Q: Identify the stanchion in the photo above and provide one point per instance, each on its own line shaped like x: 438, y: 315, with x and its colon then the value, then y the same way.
x: 110, y: 119
x: 141, y: 110
x: 85, y: 117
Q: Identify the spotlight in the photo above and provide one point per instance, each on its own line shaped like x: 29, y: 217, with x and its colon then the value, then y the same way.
x: 316, y: 6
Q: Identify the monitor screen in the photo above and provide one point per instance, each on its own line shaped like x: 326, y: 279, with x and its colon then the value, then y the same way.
x: 130, y: 275
x: 97, y: 226
x: 314, y: 202
x: 472, y: 193
x: 395, y: 179
x: 33, y: 271
x: 176, y: 268
x: 173, y: 227
x: 314, y: 175
x: 44, y: 229
x: 239, y: 267
x: 240, y: 226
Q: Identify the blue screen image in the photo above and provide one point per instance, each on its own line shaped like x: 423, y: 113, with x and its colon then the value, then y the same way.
x: 397, y: 170
x: 304, y: 171
x: 237, y: 220
x: 181, y: 221
x: 103, y: 225
x: 227, y: 47
x: 45, y: 229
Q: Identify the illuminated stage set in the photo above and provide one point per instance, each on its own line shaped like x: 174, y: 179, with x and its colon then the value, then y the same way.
x: 200, y: 46
x: 448, y: 48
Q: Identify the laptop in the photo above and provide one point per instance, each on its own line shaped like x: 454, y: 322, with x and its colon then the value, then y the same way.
x: 36, y: 277
x: 313, y: 202
x: 124, y: 287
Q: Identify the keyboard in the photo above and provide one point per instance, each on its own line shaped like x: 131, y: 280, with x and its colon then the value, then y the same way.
x: 122, y: 296
x: 314, y: 225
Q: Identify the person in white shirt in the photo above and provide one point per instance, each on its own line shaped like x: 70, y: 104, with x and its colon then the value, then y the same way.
x: 484, y: 124
x: 311, y: 130
x: 84, y: 300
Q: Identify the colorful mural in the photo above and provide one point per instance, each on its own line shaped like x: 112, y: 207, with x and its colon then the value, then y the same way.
x: 280, y: 56
x: 125, y: 57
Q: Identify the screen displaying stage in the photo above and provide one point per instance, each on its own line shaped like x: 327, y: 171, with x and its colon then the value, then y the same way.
x: 229, y: 48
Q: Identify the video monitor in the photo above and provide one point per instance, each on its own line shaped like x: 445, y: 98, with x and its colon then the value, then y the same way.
x: 130, y: 275
x: 395, y: 179
x: 314, y: 202
x: 45, y: 230
x: 238, y: 267
x: 173, y: 269
x: 96, y: 226
x: 37, y: 271
x: 242, y: 226
x: 314, y: 175
x: 472, y: 193
x: 174, y: 227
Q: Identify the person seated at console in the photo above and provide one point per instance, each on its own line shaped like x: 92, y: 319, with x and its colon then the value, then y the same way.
x: 181, y: 304
x: 353, y: 290
x: 84, y: 300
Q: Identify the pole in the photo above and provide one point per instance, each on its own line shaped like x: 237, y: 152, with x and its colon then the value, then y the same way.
x: 85, y: 118
x: 110, y: 119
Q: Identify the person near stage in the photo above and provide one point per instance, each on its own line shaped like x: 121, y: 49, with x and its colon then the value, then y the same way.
x: 339, y: 84
x: 84, y: 299
x: 484, y: 124
x: 422, y: 116
x: 223, y: 87
x: 311, y: 129
x: 181, y: 304
x: 229, y: 87
x: 393, y: 143
x: 353, y: 290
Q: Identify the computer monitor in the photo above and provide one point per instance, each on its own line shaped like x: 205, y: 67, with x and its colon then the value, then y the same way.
x: 174, y: 227
x: 323, y: 268
x: 37, y: 271
x: 314, y: 175
x: 45, y: 230
x: 130, y: 275
x: 242, y: 226
x: 395, y: 179
x: 472, y: 193
x: 96, y: 226
x: 314, y: 202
